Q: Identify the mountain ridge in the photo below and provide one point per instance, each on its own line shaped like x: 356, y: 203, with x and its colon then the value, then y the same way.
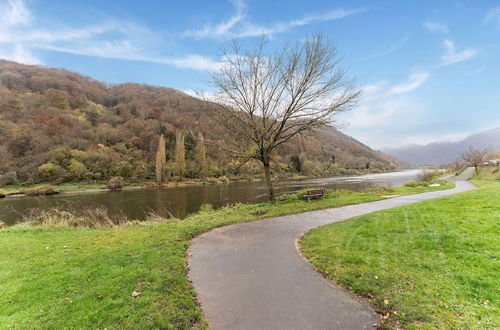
x: 58, y: 123
x: 445, y: 151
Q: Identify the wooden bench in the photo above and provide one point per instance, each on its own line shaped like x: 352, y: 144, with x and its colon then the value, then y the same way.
x: 317, y: 193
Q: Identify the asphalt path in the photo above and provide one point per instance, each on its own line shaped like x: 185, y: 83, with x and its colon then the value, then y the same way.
x: 251, y: 276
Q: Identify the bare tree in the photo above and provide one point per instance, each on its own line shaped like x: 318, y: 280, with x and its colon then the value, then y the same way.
x: 266, y: 98
x: 474, y: 157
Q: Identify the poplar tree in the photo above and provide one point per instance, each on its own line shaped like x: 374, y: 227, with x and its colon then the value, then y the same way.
x: 180, y: 155
x: 161, y: 161
x: 201, y: 157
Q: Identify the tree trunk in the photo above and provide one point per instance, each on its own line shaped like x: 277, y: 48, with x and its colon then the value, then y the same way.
x: 267, y: 174
x: 475, y: 166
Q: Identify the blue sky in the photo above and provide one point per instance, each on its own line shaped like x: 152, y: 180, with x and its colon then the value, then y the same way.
x: 430, y: 70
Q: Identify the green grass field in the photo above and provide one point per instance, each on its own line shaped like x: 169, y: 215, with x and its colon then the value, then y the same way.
x: 434, y: 264
x: 84, y: 278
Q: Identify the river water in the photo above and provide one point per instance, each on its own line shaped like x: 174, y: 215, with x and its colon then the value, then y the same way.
x: 182, y: 201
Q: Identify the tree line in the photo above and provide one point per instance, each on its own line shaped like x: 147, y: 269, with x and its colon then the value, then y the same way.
x: 58, y: 126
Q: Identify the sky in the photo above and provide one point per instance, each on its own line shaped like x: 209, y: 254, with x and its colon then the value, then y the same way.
x: 429, y: 70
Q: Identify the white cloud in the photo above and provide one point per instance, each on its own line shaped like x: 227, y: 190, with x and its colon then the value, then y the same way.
x: 436, y: 27
x: 224, y: 27
x: 237, y: 26
x: 13, y: 13
x: 195, y: 62
x: 386, y: 108
x: 21, y: 37
x: 18, y: 53
x: 416, y: 80
x: 452, y: 55
x: 493, y: 16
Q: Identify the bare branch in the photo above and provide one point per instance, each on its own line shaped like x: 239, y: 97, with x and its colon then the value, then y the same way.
x: 266, y: 98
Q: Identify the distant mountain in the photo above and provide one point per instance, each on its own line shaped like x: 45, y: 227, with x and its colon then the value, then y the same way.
x: 445, y: 152
x: 57, y: 124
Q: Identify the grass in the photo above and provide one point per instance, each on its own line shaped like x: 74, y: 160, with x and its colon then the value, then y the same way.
x: 434, y: 264
x: 59, y: 277
x: 70, y: 186
x: 39, y: 190
x: 488, y: 173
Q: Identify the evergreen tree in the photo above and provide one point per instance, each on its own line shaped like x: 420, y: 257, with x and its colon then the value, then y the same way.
x: 180, y: 155
x: 161, y: 161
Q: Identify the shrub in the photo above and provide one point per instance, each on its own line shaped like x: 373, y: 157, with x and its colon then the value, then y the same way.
x: 212, y: 180
x: 2, y: 224
x: 2, y: 193
x: 430, y: 175
x: 8, y: 178
x: 40, y: 190
x: 77, y: 169
x: 49, y: 172
x: 223, y: 179
x: 115, y: 183
x: 124, y: 169
x: 411, y: 183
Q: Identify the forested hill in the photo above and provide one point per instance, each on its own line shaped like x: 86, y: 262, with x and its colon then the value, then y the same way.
x: 56, y: 125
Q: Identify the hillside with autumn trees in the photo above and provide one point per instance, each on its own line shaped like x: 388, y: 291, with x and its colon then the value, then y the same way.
x: 58, y: 126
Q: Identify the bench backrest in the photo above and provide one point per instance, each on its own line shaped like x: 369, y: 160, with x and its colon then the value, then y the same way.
x: 315, y: 192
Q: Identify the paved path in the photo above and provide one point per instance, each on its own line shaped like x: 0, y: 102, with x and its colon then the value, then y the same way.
x: 250, y: 276
x: 465, y: 175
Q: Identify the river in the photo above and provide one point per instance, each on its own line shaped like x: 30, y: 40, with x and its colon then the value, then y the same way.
x: 182, y: 201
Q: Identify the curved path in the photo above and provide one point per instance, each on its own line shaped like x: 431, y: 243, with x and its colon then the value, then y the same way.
x: 250, y: 276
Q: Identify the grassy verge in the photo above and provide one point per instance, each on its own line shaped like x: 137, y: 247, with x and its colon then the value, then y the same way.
x: 70, y: 186
x: 488, y: 173
x: 433, y: 264
x: 84, y: 278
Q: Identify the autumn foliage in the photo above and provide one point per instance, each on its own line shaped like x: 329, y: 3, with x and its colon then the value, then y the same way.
x: 58, y: 126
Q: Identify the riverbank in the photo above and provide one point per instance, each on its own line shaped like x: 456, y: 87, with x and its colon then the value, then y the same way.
x: 89, y: 187
x: 429, y: 265
x: 102, y: 186
x: 81, y: 277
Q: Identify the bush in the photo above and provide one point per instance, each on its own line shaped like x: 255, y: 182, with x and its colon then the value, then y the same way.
x: 2, y: 224
x: 40, y: 190
x: 115, y: 183
x: 211, y: 180
x: 2, y: 193
x: 124, y: 169
x: 77, y: 169
x: 49, y: 172
x: 411, y: 183
x: 430, y: 175
x: 223, y: 179
x: 8, y: 178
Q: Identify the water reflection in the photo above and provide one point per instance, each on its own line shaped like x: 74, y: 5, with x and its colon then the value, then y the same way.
x: 181, y: 201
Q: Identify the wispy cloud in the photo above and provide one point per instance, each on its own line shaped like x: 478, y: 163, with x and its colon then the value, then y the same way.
x: 415, y: 81
x: 13, y: 13
x: 224, y: 27
x: 452, y: 55
x: 385, y: 105
x: 493, y: 16
x: 22, y: 37
x: 238, y: 26
x: 436, y: 27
